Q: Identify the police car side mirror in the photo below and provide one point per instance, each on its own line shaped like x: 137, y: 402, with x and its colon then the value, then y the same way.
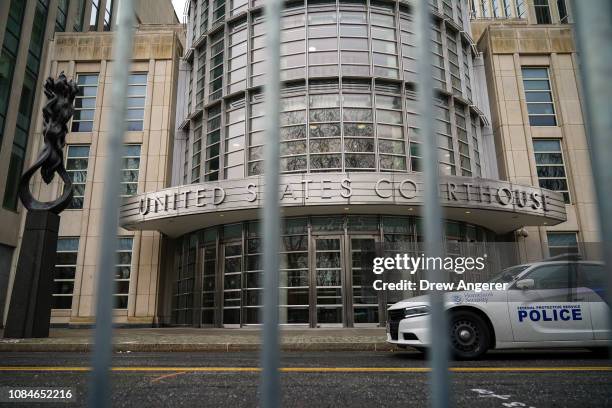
x: 525, y: 284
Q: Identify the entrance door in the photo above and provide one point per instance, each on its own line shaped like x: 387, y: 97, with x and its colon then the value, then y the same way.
x: 363, y: 299
x: 232, y: 284
x: 328, y: 280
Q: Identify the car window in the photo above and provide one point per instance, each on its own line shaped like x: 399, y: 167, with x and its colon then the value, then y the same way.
x: 508, y: 274
x: 593, y: 277
x: 555, y: 276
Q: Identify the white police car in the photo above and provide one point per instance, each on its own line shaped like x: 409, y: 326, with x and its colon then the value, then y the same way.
x: 545, y: 305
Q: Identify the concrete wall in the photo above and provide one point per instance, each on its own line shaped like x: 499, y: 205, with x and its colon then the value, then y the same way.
x: 155, y: 12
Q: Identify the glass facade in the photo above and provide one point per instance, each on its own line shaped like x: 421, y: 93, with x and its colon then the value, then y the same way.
x: 348, y: 104
x: 325, y: 269
x: 26, y: 103
x: 348, y: 72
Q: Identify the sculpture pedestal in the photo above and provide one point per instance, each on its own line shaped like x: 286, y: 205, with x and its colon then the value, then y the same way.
x: 30, y: 307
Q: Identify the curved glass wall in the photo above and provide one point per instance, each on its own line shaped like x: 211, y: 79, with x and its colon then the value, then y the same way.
x: 325, y: 274
x: 348, y: 72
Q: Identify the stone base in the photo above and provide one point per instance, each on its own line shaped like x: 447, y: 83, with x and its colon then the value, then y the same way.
x: 30, y: 307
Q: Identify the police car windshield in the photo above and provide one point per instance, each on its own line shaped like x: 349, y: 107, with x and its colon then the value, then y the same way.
x: 508, y: 274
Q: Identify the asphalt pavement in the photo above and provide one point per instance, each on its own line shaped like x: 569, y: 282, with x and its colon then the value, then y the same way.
x: 322, y: 379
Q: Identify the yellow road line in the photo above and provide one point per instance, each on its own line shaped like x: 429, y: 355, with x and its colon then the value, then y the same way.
x: 312, y: 369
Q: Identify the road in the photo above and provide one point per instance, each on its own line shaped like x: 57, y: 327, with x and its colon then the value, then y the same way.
x: 323, y: 379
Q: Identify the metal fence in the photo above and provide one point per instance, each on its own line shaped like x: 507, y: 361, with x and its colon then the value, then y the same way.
x: 593, y: 32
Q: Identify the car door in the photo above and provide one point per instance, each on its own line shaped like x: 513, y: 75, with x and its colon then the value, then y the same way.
x: 552, y: 310
x: 592, y: 283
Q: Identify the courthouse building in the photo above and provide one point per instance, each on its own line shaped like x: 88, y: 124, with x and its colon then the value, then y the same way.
x: 513, y: 159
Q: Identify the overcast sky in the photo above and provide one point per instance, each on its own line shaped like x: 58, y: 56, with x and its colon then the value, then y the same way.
x: 179, y: 6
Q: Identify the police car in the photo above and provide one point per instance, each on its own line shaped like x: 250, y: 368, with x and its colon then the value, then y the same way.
x: 545, y: 304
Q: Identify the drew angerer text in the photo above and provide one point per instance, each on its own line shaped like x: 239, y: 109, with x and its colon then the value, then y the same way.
x: 423, y: 284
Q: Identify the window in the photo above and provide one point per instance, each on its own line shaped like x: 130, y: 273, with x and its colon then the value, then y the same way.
x: 293, y: 48
x: 594, y: 277
x: 237, y: 57
x: 65, y: 271
x: 256, y: 134
x: 200, y: 80
x: 408, y: 41
x: 323, y: 43
x: 462, y: 136
x: 563, y: 16
x: 560, y: 243
x: 550, y: 166
x: 497, y: 13
x: 542, y: 11
x: 203, y: 17
x: 453, y: 59
x: 76, y: 166
x: 442, y: 120
x: 124, y: 270
x: 238, y: 6
x: 8, y: 57
x: 79, y: 16
x: 62, y: 15
x: 475, y: 125
x: 507, y: 9
x: 258, y: 52
x: 389, y: 129
x: 467, y: 54
x: 93, y: 18
x: 484, y: 8
x: 137, y: 92
x: 438, y: 72
x: 521, y: 9
x: 196, y: 151
x: 129, y: 170
x: 555, y: 276
x: 218, y: 11
x: 384, y: 45
x: 213, y: 144
x: 216, y: 67
x: 293, y: 133
x: 108, y: 15
x: 538, y: 95
x: 85, y: 103
x: 235, y: 130
x: 324, y: 130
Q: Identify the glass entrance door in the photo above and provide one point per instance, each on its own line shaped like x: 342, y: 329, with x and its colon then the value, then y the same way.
x: 364, y: 300
x: 328, y: 280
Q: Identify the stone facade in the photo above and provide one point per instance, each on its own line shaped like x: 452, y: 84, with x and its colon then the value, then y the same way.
x: 507, y: 46
x: 156, y: 53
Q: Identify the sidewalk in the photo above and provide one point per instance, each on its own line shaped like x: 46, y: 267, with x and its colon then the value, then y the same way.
x: 205, y: 339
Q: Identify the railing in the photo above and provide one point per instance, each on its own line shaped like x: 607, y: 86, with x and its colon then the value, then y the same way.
x: 593, y: 29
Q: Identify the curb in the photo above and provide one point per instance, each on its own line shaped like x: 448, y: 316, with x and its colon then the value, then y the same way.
x: 185, y: 347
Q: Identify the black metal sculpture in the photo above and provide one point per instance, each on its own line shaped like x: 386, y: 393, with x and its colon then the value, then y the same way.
x: 57, y: 112
x: 30, y: 306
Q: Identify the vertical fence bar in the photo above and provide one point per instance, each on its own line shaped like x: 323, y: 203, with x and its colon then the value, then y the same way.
x: 100, y: 392
x: 439, y: 353
x: 270, y: 378
x: 593, y: 33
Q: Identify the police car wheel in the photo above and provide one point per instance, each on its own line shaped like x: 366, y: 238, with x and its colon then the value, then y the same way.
x: 469, y: 335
